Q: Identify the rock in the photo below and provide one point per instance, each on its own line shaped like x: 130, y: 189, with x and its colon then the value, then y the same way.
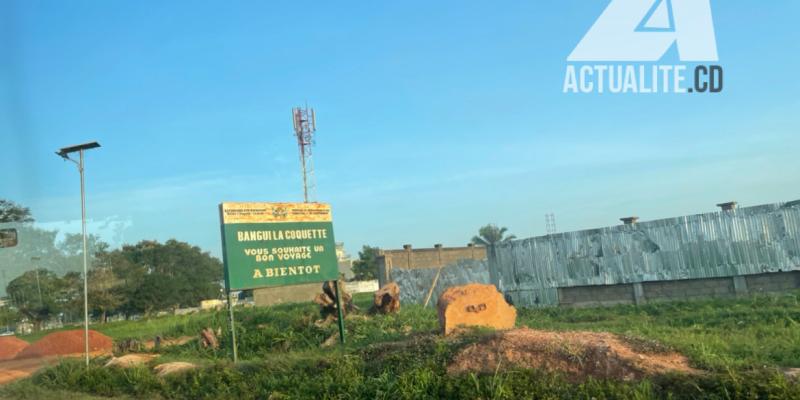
x: 130, y: 360
x: 387, y: 299
x: 474, y: 305
x: 792, y: 373
x: 173, y: 368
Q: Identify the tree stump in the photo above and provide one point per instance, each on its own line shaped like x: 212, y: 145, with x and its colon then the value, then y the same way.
x: 327, y: 300
x: 127, y: 346
x: 208, y: 338
x: 474, y: 305
x: 387, y: 299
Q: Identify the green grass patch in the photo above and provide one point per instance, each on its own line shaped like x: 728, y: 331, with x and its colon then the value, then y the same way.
x: 715, y: 334
x: 742, y: 343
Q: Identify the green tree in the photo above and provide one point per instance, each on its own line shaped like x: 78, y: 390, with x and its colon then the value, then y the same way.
x: 103, y: 298
x: 8, y: 317
x: 491, y: 234
x: 38, y: 295
x: 366, y: 267
x: 72, y: 296
x: 37, y: 248
x: 155, y: 276
x: 13, y: 212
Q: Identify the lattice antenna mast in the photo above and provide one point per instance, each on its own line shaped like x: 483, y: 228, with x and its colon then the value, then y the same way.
x: 305, y: 124
x: 550, y: 223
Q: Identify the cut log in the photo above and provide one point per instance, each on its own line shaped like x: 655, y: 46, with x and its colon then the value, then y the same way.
x: 170, y: 368
x: 128, y: 346
x: 387, y: 299
x: 327, y: 300
x: 130, y: 360
x: 474, y: 305
x: 324, y: 301
x: 209, y: 338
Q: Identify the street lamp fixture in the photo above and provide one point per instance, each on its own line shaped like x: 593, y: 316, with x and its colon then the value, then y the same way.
x: 64, y: 153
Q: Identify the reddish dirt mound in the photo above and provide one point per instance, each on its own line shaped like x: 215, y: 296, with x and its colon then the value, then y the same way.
x: 579, y: 354
x: 67, y: 342
x: 10, y: 346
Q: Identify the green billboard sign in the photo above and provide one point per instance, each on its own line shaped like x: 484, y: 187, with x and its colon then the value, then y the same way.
x: 277, y: 244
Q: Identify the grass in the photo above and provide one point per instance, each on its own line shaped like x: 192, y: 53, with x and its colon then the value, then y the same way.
x: 714, y: 334
x: 146, y: 328
x: 742, y: 342
x: 167, y: 325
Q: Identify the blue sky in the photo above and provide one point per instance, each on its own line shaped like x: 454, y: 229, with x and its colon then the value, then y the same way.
x: 434, y: 118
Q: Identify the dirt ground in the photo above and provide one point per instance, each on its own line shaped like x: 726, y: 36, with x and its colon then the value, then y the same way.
x: 10, y: 346
x: 18, y: 369
x: 22, y: 368
x: 12, y: 370
x: 66, y: 343
x: 578, y: 354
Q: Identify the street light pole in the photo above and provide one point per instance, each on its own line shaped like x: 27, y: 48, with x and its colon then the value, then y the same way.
x: 35, y: 261
x: 85, y: 265
x: 64, y: 153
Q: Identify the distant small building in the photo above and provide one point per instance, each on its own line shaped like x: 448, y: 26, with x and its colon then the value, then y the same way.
x: 345, y: 262
x: 24, y: 328
x: 304, y: 292
x: 410, y: 258
x: 211, y: 304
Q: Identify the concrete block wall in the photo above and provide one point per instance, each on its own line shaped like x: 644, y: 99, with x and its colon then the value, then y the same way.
x: 773, y: 282
x: 587, y: 296
x: 286, y: 294
x: 362, y: 286
x: 305, y: 292
x: 410, y: 258
x: 688, y: 289
x: 415, y: 283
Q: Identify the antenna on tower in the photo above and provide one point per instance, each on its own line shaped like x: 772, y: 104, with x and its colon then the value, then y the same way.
x: 305, y: 124
x: 550, y: 223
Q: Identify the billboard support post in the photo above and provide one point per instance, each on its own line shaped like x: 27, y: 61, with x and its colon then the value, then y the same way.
x: 339, y: 310
x: 233, y: 327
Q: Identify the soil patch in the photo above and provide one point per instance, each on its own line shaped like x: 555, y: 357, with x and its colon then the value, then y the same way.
x: 10, y: 346
x: 578, y: 354
x: 67, y: 342
x: 18, y: 369
x: 151, y: 344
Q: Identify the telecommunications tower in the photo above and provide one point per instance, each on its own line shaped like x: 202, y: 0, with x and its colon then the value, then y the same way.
x: 305, y: 125
x: 550, y: 223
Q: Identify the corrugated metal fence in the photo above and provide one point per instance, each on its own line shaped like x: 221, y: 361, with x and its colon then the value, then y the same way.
x: 415, y: 283
x: 743, y: 241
